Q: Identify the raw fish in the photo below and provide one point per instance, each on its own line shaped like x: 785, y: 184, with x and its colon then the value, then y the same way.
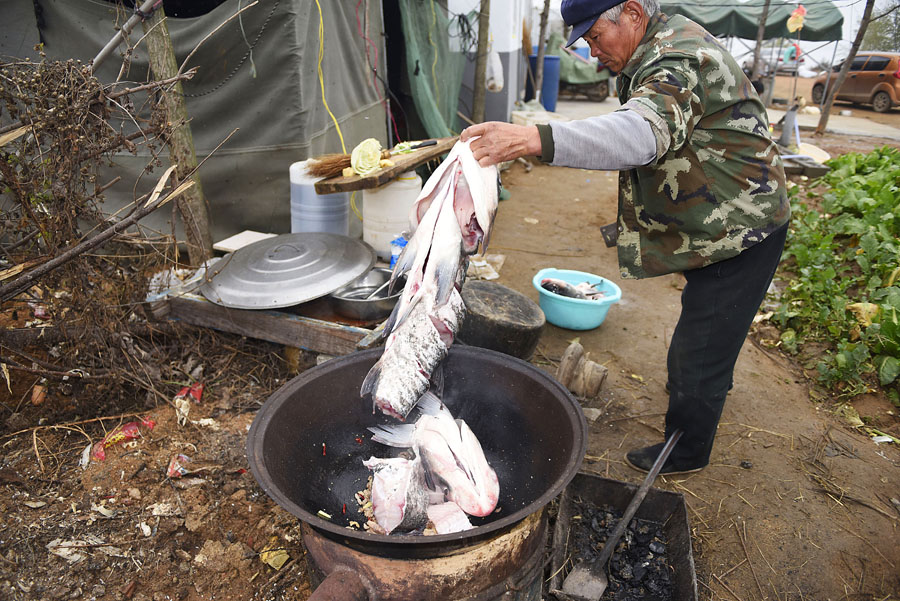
x: 453, y: 216
x: 448, y: 518
x: 584, y: 290
x: 399, y: 496
x: 451, y: 455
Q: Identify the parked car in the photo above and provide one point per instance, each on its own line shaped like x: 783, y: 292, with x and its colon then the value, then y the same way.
x: 874, y: 78
x: 772, y: 55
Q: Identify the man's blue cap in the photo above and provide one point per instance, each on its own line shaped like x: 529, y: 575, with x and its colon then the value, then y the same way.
x: 581, y: 15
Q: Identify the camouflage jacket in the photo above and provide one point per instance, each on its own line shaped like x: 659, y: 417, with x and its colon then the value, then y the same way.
x: 717, y: 185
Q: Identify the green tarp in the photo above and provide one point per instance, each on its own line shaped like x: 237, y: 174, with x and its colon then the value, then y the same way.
x: 824, y: 22
x: 571, y: 69
x: 434, y: 69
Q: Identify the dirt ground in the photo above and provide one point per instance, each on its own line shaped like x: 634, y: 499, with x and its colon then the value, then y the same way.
x: 796, y: 504
x: 809, y: 515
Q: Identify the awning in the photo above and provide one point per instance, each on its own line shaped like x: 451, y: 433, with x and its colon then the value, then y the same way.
x: 824, y: 22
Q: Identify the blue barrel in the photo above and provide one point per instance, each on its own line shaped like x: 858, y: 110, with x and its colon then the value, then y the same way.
x: 550, y: 85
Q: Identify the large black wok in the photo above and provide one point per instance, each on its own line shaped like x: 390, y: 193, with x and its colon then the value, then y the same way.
x: 308, y: 441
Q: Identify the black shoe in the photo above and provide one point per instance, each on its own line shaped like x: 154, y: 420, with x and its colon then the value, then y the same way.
x: 643, y: 459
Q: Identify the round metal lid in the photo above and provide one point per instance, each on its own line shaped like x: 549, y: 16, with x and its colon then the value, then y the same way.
x: 286, y: 270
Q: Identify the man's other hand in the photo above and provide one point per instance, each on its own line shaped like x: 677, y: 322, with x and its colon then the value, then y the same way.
x: 494, y: 142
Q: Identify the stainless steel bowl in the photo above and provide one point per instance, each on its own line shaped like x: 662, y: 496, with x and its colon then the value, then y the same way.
x: 350, y: 300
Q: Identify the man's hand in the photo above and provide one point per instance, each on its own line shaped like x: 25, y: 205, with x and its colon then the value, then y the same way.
x: 495, y: 142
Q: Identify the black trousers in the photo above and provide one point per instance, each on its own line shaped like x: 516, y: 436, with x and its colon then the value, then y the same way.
x: 718, y: 304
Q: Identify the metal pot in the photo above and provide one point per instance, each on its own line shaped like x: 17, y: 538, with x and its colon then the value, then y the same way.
x: 352, y: 300
x: 304, y: 452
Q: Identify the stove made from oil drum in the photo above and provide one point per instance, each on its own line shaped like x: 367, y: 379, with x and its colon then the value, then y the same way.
x: 306, y: 448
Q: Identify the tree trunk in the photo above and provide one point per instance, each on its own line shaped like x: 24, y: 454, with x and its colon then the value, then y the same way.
x: 192, y: 205
x: 845, y: 68
x: 760, y: 34
x: 479, y: 89
x: 539, y: 65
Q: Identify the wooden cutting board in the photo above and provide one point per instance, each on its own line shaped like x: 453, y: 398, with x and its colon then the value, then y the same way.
x: 402, y: 164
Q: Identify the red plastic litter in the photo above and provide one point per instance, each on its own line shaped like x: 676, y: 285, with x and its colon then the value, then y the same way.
x: 178, y: 466
x: 194, y: 391
x: 128, y: 431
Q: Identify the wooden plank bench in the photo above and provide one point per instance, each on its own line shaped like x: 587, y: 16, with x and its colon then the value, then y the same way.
x: 312, y: 333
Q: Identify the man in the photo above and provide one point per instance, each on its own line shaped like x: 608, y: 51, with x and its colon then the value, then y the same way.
x: 701, y: 191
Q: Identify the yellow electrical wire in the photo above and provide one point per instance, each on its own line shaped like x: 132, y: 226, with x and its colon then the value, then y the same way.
x: 322, y: 76
x: 353, y: 206
x: 325, y: 102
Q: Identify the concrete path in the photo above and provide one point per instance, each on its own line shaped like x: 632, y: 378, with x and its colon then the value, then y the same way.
x: 841, y: 125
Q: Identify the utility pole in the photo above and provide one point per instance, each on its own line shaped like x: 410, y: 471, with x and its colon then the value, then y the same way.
x: 845, y: 68
x: 479, y: 89
x: 192, y: 204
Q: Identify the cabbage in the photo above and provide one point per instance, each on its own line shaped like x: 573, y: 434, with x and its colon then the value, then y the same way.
x: 365, y: 157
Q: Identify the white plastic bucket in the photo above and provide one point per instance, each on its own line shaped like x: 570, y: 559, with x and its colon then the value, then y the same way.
x: 311, y: 212
x: 386, y: 212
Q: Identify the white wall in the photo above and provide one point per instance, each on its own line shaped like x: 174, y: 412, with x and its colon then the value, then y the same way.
x: 506, y: 20
x: 506, y: 23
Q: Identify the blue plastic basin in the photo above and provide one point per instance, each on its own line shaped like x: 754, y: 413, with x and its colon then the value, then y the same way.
x: 575, y: 313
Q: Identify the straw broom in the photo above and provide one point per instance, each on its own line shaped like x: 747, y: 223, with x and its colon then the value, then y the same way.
x: 333, y: 165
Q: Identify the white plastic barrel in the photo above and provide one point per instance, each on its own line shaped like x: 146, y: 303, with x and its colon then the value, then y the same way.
x: 311, y: 212
x: 386, y: 211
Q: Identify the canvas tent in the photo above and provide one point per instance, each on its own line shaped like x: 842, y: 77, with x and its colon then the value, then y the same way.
x: 824, y: 22
x: 278, y: 110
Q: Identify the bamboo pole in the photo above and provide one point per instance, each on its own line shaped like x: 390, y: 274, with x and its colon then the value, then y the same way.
x: 192, y: 205
x: 111, y: 45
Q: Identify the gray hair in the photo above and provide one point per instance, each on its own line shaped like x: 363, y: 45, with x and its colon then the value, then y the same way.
x: 650, y: 7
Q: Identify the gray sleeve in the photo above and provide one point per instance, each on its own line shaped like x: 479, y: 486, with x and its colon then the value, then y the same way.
x: 614, y: 142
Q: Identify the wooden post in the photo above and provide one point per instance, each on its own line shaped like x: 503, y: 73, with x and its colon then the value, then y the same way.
x: 479, y: 89
x: 760, y: 34
x: 539, y: 67
x: 192, y: 205
x: 845, y: 68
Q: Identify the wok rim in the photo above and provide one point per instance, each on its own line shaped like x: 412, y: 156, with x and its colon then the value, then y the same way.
x: 255, y: 438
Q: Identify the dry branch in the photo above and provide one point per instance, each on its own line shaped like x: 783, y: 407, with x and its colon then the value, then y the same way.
x: 24, y: 282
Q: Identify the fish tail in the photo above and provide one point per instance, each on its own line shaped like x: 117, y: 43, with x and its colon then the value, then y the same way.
x: 404, y: 262
x: 370, y: 382
x: 430, y: 404
x: 446, y: 275
x: 391, y: 322
x: 400, y: 435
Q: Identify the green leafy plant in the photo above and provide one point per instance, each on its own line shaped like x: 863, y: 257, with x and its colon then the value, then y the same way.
x: 842, y: 272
